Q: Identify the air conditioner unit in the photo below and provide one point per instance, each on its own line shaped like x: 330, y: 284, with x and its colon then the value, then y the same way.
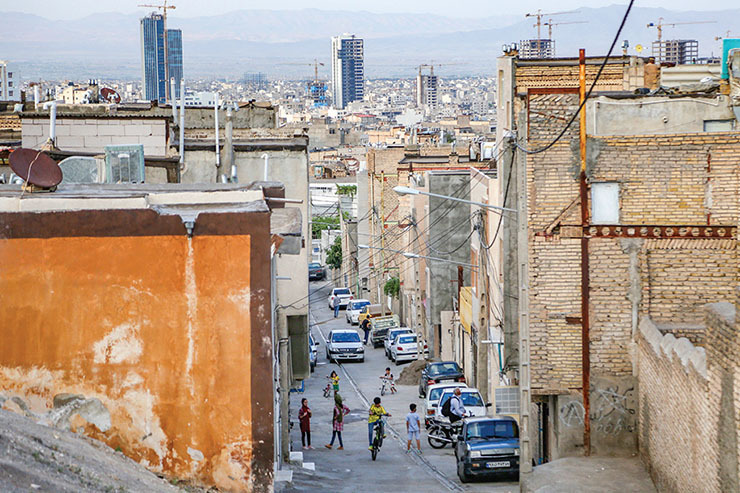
x: 124, y: 163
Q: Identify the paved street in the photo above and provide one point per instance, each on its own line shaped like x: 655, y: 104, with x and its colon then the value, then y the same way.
x: 352, y: 468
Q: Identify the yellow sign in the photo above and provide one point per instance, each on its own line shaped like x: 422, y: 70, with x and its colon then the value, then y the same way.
x: 466, y: 307
x: 638, y: 48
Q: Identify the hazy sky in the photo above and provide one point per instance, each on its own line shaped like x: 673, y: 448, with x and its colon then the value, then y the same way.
x: 71, y: 9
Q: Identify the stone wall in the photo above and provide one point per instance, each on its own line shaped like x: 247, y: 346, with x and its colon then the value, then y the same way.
x: 93, y: 134
x: 689, y: 406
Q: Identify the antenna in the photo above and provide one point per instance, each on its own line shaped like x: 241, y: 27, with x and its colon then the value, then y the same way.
x: 36, y: 168
x: 110, y: 95
x: 164, y: 8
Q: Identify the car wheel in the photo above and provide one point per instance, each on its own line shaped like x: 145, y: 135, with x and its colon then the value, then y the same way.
x: 461, y: 473
x: 362, y: 360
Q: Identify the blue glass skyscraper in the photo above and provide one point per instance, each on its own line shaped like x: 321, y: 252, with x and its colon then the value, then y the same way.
x: 155, y: 86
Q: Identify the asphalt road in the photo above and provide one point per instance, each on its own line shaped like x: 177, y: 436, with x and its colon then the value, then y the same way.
x: 352, y: 469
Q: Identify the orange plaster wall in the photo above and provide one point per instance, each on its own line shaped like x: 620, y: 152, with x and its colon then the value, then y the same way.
x: 156, y: 327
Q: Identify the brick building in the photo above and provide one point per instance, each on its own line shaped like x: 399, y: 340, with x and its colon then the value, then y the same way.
x: 660, y: 215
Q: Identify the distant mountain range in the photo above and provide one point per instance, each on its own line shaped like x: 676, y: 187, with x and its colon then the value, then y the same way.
x: 106, y: 45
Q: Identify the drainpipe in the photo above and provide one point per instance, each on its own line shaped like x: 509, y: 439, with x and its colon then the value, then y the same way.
x: 218, y: 147
x: 230, y: 144
x: 52, y: 105
x: 585, y: 280
x: 36, y: 96
x: 266, y: 157
x: 182, y: 124
x: 173, y: 101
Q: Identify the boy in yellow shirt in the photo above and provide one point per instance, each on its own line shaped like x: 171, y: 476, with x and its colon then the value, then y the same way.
x: 376, y: 412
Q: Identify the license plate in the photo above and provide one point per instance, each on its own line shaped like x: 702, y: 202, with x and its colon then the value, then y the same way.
x: 504, y: 463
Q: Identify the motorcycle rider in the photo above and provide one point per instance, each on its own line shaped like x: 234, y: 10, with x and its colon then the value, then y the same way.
x: 457, y: 409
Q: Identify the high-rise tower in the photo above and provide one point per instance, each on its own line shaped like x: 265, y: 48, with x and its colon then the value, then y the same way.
x: 153, y: 74
x: 347, y: 69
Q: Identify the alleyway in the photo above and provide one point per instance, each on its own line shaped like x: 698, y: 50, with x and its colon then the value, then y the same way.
x: 352, y: 469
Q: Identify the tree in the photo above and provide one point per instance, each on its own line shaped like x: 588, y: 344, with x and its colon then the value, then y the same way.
x: 334, y: 254
x: 392, y: 287
x: 320, y: 223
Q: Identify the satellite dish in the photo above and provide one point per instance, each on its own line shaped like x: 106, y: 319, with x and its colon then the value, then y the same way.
x: 638, y: 48
x: 110, y: 95
x: 80, y: 169
x: 44, y: 171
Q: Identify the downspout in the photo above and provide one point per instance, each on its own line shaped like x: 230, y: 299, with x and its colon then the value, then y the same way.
x: 585, y: 280
x: 173, y: 101
x: 218, y: 147
x: 266, y: 157
x: 230, y: 145
x: 182, y: 124
x: 36, y: 96
x: 52, y: 106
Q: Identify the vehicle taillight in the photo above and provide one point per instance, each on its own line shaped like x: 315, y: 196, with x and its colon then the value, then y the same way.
x: 425, y: 346
x: 351, y: 297
x: 461, y: 379
x: 430, y: 382
x: 400, y: 348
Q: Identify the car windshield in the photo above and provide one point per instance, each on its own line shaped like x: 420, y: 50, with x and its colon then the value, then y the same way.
x: 471, y: 399
x: 443, y: 368
x: 345, y: 337
x: 310, y: 341
x: 357, y: 305
x: 314, y: 266
x: 492, y: 429
x: 435, y: 393
x: 406, y: 339
x: 396, y: 333
x: 341, y: 291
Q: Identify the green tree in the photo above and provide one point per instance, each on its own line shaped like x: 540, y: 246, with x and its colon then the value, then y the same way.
x: 392, y: 287
x: 334, y: 254
x: 320, y: 223
x: 348, y: 190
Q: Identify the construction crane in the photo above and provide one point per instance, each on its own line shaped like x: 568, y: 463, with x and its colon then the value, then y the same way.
x: 660, y: 25
x: 550, y: 24
x: 315, y: 66
x: 540, y: 15
x: 432, y: 65
x: 164, y: 8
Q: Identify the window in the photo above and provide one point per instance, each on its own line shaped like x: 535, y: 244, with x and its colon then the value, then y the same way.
x: 605, y: 203
x: 10, y: 83
x: 10, y: 75
x: 10, y: 93
x: 719, y: 125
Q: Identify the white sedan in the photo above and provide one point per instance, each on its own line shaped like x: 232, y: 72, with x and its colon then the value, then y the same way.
x: 353, y: 311
x: 344, y: 295
x: 406, y: 348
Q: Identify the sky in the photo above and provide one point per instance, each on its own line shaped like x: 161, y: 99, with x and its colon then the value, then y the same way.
x: 73, y: 9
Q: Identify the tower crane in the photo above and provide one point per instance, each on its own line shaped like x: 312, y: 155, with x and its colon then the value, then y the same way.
x: 432, y: 65
x: 164, y: 8
x: 550, y: 24
x: 660, y: 25
x: 315, y: 66
x: 539, y: 15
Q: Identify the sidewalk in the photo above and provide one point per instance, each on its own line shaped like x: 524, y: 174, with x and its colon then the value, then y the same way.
x: 590, y: 475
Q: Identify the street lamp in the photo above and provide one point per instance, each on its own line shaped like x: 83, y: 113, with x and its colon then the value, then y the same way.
x: 401, y: 190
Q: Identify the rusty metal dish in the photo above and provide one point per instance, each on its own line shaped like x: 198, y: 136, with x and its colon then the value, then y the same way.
x: 44, y: 171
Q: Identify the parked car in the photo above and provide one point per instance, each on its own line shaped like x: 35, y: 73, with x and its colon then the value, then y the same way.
x: 344, y: 344
x: 353, y: 311
x: 344, y: 295
x: 439, y: 371
x: 379, y: 327
x: 433, y: 395
x: 316, y: 272
x: 471, y: 399
x: 313, y: 347
x: 488, y: 447
x: 406, y: 348
x: 369, y: 311
x: 391, y: 336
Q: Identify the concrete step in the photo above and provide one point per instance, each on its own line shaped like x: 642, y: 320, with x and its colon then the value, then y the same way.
x: 296, y: 458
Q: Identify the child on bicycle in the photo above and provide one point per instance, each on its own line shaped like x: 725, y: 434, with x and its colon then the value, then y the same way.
x: 388, y: 378
x: 375, y: 413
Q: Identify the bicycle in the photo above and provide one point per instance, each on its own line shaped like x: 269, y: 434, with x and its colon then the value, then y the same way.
x: 378, y: 439
x: 328, y: 388
x: 387, y: 385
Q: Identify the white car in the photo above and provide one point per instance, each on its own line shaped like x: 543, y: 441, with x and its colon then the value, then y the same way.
x: 434, y: 392
x: 391, y: 336
x: 344, y: 295
x: 471, y: 399
x: 344, y: 344
x: 353, y: 311
x: 406, y: 348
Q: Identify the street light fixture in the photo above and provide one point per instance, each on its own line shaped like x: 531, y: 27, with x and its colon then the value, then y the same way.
x: 401, y: 190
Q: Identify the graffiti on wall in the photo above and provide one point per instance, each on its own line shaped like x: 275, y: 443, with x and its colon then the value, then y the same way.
x: 612, y: 410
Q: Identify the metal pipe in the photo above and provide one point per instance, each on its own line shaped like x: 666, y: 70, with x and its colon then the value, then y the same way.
x: 266, y: 157
x: 218, y: 147
x: 36, y: 96
x: 585, y: 280
x: 182, y: 124
x: 173, y: 100
x: 52, y: 105
x: 230, y: 144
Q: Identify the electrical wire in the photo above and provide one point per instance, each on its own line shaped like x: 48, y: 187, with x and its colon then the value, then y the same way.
x: 588, y: 94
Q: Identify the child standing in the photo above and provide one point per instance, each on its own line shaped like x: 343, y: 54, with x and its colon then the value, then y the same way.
x: 334, y: 381
x: 413, y: 427
x: 304, y: 417
x: 340, y: 411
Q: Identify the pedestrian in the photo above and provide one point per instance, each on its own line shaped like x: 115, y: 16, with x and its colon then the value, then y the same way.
x: 304, y: 417
x: 334, y: 381
x: 365, y: 326
x: 413, y: 427
x: 336, y: 306
x: 337, y: 422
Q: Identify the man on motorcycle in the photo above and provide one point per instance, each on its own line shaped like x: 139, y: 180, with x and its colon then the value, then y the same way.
x: 457, y: 409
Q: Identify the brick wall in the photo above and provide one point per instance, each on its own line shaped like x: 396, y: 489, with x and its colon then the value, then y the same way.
x: 92, y: 135
x: 688, y: 412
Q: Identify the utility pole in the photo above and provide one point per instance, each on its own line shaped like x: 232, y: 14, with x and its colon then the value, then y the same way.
x: 284, y: 390
x: 483, y: 383
x: 382, y: 242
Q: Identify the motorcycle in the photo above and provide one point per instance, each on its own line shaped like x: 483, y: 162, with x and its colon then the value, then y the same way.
x: 441, y: 433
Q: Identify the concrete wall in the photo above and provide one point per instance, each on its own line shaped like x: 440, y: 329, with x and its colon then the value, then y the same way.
x: 93, y: 134
x: 690, y: 406
x: 166, y: 338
